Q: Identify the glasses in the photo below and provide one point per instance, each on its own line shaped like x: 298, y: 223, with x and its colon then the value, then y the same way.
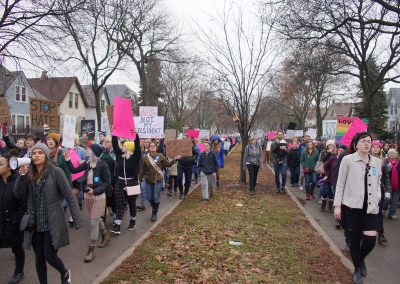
x: 365, y: 141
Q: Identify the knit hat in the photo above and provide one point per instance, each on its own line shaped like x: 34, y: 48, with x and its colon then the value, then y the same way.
x: 129, y: 145
x: 330, y: 142
x: 43, y: 147
x: 55, y: 136
x: 344, y: 147
x: 96, y: 149
x: 376, y: 143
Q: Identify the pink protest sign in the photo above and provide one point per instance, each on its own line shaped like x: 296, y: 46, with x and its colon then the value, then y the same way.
x: 75, y: 161
x: 271, y: 135
x: 201, y: 147
x: 357, y: 125
x: 123, y: 125
x: 193, y: 133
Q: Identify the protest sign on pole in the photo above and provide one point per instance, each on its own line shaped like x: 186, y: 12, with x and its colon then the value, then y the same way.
x: 43, y: 112
x: 356, y: 126
x: 329, y: 129
x: 170, y: 133
x: 192, y: 133
x: 5, y: 115
x: 343, y: 124
x: 89, y: 126
x: 123, y: 123
x: 178, y: 147
x: 69, y: 131
x: 150, y: 127
x: 148, y: 111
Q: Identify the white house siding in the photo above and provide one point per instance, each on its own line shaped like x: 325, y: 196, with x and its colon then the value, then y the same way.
x: 393, y: 124
x: 78, y: 112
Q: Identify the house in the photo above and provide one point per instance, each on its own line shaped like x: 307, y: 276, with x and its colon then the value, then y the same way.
x: 119, y: 90
x: 393, y: 99
x: 334, y: 110
x: 16, y: 88
x: 91, y: 109
x: 66, y: 91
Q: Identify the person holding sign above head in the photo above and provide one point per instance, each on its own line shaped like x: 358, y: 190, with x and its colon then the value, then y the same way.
x: 151, y: 171
x: 185, y: 169
x: 358, y: 192
x: 23, y: 146
x: 128, y: 159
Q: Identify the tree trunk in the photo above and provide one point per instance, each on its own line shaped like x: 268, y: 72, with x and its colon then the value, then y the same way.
x: 96, y: 93
x: 319, y: 117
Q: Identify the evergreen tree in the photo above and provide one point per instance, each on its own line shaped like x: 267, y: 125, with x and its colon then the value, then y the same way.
x: 373, y: 106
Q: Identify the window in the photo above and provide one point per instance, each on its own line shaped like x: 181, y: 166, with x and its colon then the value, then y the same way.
x: 76, y: 100
x: 20, y: 94
x: 71, y: 100
x: 102, y: 106
x: 20, y: 123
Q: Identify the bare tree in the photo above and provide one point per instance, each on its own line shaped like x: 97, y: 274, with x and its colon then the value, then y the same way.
x: 22, y: 24
x: 241, y: 60
x: 145, y: 33
x: 91, y: 30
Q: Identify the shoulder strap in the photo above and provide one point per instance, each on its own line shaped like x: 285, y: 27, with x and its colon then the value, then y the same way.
x: 154, y: 165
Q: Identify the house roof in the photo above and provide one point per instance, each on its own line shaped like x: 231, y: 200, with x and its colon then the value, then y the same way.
x: 339, y: 109
x: 88, y: 91
x: 56, y: 88
x: 119, y: 90
x: 7, y: 77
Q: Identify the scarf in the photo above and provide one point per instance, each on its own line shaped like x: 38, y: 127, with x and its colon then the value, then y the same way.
x: 395, y: 176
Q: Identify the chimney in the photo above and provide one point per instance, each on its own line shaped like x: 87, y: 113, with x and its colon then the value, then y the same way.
x: 44, y: 75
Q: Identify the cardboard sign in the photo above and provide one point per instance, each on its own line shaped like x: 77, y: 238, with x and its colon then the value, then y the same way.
x: 204, y: 134
x: 69, y: 131
x: 178, y: 147
x: 105, y: 125
x: 357, y: 125
x: 148, y: 111
x: 271, y: 135
x: 329, y: 129
x: 170, y: 133
x: 75, y: 162
x: 89, y: 126
x: 343, y: 124
x: 150, y: 127
x: 43, y: 112
x: 123, y: 124
x: 5, y: 115
x: 192, y: 133
x: 110, y: 114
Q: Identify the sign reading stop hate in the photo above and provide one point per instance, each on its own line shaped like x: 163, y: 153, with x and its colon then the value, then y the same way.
x: 43, y: 112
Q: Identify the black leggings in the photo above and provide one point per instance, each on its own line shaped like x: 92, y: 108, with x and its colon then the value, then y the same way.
x: 187, y: 172
x: 44, y: 251
x: 360, y: 246
x: 19, y: 254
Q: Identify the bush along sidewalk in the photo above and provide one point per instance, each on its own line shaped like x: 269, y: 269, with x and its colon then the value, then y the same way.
x: 234, y: 238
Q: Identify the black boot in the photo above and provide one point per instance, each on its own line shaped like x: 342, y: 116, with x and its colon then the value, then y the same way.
x: 357, y: 276
x: 16, y: 278
x: 363, y: 269
x: 155, y: 211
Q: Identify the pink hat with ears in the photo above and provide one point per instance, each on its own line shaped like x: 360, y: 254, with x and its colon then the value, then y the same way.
x: 376, y: 143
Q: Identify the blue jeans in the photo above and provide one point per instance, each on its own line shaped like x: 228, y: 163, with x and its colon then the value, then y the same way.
x: 327, y: 192
x: 143, y: 193
x: 280, y: 169
x: 153, y: 191
x: 393, y: 205
x: 310, y: 181
x: 294, y: 174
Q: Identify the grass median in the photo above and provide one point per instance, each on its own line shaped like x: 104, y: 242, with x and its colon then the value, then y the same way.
x: 277, y: 243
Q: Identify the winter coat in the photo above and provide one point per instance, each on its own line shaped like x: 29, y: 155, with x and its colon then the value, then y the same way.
x: 309, y: 161
x: 10, y: 145
x: 147, y: 170
x: 252, y: 155
x: 219, y: 155
x: 208, y: 163
x: 132, y: 164
x: 330, y: 170
x: 60, y: 163
x: 188, y: 162
x: 293, y: 158
x: 56, y: 188
x: 11, y: 211
x: 101, y: 176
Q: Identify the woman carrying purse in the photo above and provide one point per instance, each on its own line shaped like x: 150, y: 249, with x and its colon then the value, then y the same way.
x: 308, y: 160
x: 96, y: 180
x: 153, y: 176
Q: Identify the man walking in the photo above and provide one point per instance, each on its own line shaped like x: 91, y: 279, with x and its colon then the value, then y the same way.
x: 279, y: 152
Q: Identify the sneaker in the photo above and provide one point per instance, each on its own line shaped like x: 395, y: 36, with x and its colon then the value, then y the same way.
x: 16, y: 278
x: 301, y: 188
x: 140, y: 208
x: 252, y: 192
x: 89, y: 255
x: 116, y: 229
x: 71, y: 221
x: 132, y: 225
x: 180, y: 196
x: 66, y: 279
x: 283, y: 190
x: 393, y: 217
x: 278, y: 191
x: 319, y: 201
x: 382, y: 239
x: 292, y: 185
x: 169, y: 192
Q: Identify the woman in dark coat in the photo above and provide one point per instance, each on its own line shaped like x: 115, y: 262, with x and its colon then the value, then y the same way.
x: 11, y: 211
x: 44, y: 186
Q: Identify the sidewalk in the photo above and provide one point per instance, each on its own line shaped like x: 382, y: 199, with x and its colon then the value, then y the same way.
x: 382, y: 263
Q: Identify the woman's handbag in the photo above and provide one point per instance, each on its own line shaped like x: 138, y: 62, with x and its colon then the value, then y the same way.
x: 306, y: 170
x: 131, y: 190
x: 319, y: 167
x: 27, y: 222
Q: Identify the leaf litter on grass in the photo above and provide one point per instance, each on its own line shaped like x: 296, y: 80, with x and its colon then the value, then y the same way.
x: 278, y: 245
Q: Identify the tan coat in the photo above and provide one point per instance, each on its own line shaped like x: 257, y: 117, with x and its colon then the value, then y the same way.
x: 350, y: 184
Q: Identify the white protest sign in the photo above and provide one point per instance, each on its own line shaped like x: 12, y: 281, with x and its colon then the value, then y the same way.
x: 148, y: 111
x: 69, y: 131
x: 105, y: 125
x: 290, y: 133
x: 312, y: 132
x: 204, y: 133
x: 298, y: 133
x: 149, y: 127
x: 227, y: 145
x: 329, y: 129
x: 269, y: 143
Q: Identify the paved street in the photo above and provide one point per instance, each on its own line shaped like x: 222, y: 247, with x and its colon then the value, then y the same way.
x: 382, y: 263
x: 72, y: 255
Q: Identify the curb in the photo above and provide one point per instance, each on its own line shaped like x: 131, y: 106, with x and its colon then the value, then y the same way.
x: 102, y: 276
x: 345, y: 261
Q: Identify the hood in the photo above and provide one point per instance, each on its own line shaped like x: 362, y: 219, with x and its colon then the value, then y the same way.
x: 214, y: 138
